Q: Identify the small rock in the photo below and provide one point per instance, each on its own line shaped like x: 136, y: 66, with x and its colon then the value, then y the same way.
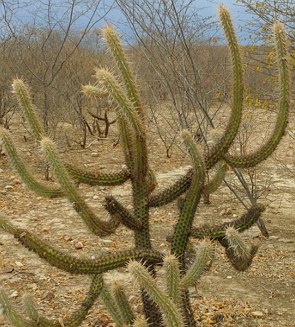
x: 285, y: 240
x: 19, y: 264
x: 67, y: 238
x: 95, y: 197
x: 33, y: 286
x: 272, y: 237
x: 94, y: 154
x: 107, y: 241
x: 14, y: 294
x: 225, y: 212
x: 79, y: 246
x: 257, y: 314
x: 47, y: 295
x: 8, y: 187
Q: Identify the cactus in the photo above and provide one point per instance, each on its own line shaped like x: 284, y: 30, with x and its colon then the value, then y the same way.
x: 161, y: 307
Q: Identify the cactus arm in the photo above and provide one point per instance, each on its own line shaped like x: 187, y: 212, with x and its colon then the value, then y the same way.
x: 237, y: 251
x: 184, y: 224
x: 21, y: 91
x: 114, y: 45
x: 172, y: 192
x: 112, y: 307
x: 72, y: 264
x: 216, y: 181
x: 93, y: 91
x: 123, y: 304
x: 13, y: 316
x: 269, y: 147
x: 171, y: 315
x: 140, y: 322
x: 20, y: 167
x: 119, y: 212
x: 241, y: 224
x: 171, y: 266
x: 203, y: 260
x: 128, y: 116
x: 99, y: 227
x: 102, y: 179
x: 75, y: 320
x: 222, y: 146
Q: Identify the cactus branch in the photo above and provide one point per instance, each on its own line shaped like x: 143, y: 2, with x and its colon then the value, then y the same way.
x: 216, y: 181
x: 119, y: 212
x: 25, y: 175
x: 114, y: 45
x: 21, y: 91
x: 172, y: 270
x: 72, y: 264
x: 101, y: 179
x: 172, y: 192
x: 203, y: 260
x: 171, y: 315
x: 269, y: 147
x: 122, y: 303
x: 241, y: 224
x: 184, y: 224
x: 99, y: 227
x: 222, y: 146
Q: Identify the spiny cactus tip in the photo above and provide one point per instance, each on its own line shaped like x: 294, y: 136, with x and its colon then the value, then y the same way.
x: 19, y: 85
x: 278, y: 26
x: 222, y: 9
x: 170, y: 258
x: 185, y: 134
x: 46, y: 142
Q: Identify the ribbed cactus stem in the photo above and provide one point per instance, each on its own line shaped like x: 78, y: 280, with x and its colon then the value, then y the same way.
x: 119, y: 212
x: 241, y: 262
x: 222, y: 146
x: 102, y: 179
x: 14, y: 317
x: 122, y: 303
x: 236, y: 243
x: 22, y: 93
x: 92, y: 91
x: 125, y: 106
x: 98, y: 226
x: 269, y: 147
x: 30, y: 308
x: 21, y: 169
x: 203, y: 260
x: 172, y: 192
x: 171, y: 315
x: 130, y: 124
x: 111, y: 306
x: 172, y: 273
x: 184, y: 224
x: 75, y: 265
x: 113, y: 41
x: 216, y: 181
x: 241, y: 224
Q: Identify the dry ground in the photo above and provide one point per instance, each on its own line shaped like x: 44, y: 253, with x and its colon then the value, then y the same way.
x: 262, y: 296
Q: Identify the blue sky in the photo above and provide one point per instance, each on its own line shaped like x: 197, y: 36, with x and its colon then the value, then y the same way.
x: 209, y: 8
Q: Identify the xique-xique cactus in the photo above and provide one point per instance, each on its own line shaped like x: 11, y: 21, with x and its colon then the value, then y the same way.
x: 161, y: 307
